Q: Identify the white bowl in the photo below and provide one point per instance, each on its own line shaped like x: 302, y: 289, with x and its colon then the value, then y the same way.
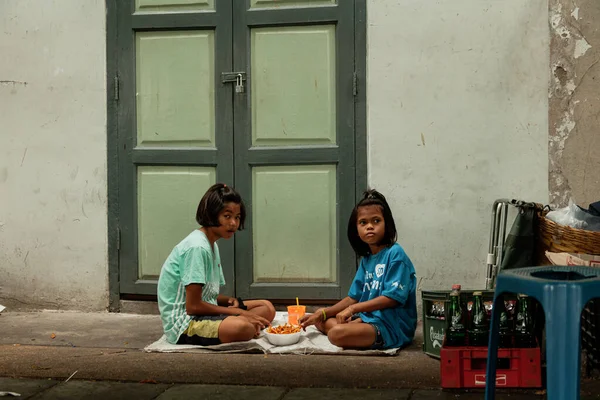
x: 283, y: 339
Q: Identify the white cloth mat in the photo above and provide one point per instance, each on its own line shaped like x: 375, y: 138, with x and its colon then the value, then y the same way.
x: 311, y: 342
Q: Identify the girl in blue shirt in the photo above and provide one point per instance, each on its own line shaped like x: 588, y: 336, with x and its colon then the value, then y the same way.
x: 380, y: 310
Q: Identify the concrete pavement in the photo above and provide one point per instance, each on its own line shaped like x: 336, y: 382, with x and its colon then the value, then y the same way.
x: 107, y: 346
x: 92, y: 390
x: 103, y: 351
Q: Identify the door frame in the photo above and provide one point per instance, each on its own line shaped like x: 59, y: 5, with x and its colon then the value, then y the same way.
x: 112, y: 127
x: 360, y: 100
x: 112, y: 152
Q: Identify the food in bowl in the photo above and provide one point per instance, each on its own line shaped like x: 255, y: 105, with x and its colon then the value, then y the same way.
x: 284, y: 329
x: 283, y: 335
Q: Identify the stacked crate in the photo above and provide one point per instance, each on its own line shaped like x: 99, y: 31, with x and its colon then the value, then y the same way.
x: 590, y: 332
x: 465, y: 366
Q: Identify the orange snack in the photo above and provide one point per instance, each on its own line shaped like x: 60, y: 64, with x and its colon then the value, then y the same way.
x: 284, y: 329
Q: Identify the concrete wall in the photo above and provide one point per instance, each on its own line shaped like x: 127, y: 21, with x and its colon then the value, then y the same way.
x: 457, y: 117
x: 575, y: 102
x: 53, y: 246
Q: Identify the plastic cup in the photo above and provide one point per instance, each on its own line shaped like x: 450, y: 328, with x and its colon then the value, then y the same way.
x: 295, y: 313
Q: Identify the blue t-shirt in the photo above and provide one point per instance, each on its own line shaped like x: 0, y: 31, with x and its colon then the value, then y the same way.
x: 388, y: 273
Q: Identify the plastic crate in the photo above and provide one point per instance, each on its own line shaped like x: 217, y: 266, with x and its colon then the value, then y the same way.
x: 434, y: 326
x: 464, y: 367
x: 590, y: 332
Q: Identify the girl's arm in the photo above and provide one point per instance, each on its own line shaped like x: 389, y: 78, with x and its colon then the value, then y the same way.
x: 378, y: 303
x: 195, y: 306
x: 312, y: 319
x: 225, y: 301
x: 340, y: 306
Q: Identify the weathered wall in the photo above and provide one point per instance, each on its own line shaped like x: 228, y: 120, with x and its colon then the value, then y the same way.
x: 457, y: 117
x: 575, y: 102
x: 53, y: 242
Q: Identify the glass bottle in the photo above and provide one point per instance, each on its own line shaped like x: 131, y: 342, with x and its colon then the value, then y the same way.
x: 479, y: 329
x: 506, y: 330
x: 524, y: 326
x: 455, y: 330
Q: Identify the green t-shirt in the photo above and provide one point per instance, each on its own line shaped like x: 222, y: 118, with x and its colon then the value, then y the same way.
x: 191, y: 261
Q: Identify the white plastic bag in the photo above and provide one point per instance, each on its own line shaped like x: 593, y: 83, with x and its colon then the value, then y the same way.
x: 574, y: 217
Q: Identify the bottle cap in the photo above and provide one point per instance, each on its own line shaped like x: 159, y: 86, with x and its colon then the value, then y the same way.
x: 454, y: 294
x: 522, y: 296
x: 477, y: 293
x: 456, y: 287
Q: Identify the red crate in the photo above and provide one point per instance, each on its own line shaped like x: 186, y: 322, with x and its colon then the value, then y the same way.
x: 464, y: 367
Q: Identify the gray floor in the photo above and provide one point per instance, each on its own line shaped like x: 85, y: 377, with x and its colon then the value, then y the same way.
x: 101, y: 352
x: 79, y: 389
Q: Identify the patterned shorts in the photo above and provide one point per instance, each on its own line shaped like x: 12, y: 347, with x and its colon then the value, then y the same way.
x: 379, y: 343
x: 203, y: 330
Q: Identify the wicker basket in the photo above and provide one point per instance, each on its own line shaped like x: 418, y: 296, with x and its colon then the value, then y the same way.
x: 559, y: 238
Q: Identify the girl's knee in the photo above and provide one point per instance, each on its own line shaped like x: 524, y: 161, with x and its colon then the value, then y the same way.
x: 336, y: 335
x: 271, y: 310
x: 236, y: 330
x: 325, y: 326
x: 246, y: 329
x: 265, y: 309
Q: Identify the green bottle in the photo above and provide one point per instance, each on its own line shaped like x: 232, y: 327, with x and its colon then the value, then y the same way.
x: 524, y: 326
x: 455, y: 330
x: 479, y: 329
x: 506, y: 331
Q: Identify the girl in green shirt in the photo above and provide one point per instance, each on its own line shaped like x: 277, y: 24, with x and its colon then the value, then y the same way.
x: 191, y: 308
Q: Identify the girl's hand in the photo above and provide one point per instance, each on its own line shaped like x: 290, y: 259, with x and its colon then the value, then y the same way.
x: 233, y: 302
x: 311, y: 319
x: 256, y: 320
x: 345, y: 316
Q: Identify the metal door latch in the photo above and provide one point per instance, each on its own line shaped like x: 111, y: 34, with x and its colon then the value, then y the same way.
x: 237, y: 77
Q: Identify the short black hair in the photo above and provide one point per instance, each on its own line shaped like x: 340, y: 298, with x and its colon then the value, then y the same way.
x: 214, y: 201
x: 371, y: 198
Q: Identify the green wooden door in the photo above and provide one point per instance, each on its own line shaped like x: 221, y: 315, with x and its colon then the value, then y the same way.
x: 294, y: 147
x: 287, y: 142
x: 175, y: 128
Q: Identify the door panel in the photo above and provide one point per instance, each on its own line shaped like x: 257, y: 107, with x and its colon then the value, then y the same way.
x: 175, y: 128
x: 288, y: 3
x: 295, y: 224
x: 282, y: 97
x: 175, y: 88
x: 174, y: 5
x: 294, y: 148
x: 167, y: 200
